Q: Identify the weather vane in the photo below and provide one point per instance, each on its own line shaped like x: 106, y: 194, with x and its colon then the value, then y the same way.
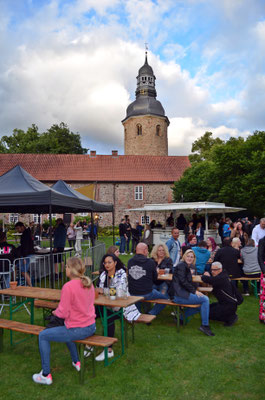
x: 146, y: 47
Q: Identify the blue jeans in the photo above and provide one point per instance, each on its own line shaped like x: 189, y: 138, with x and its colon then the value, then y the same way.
x: 128, y: 244
x: 122, y: 245
x: 162, y: 287
x: 155, y: 294
x: 63, y: 335
x: 194, y: 299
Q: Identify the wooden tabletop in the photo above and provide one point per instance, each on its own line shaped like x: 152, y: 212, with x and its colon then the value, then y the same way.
x: 55, y: 294
x: 33, y: 293
x: 105, y: 301
x: 169, y: 277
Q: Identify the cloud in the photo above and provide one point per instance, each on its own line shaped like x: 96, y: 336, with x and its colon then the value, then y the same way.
x: 76, y: 62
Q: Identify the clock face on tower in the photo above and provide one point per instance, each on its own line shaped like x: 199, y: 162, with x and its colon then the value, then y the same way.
x: 143, y: 91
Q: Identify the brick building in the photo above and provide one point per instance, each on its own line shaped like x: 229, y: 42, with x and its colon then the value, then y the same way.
x: 145, y: 174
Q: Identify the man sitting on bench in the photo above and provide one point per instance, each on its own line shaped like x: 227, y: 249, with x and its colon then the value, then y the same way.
x: 225, y: 309
x: 141, y: 277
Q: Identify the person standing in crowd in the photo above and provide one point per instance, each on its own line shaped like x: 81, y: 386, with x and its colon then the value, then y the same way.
x: 183, y: 291
x: 140, y: 229
x: 142, y: 275
x: 170, y: 220
x: 123, y: 237
x: 7, y: 256
x: 202, y: 255
x: 25, y: 250
x: 174, y: 247
x: 188, y: 230
x: 148, y: 237
x: 228, y: 257
x: 78, y: 239
x: 135, y: 238
x: 239, y: 232
x: 225, y: 309
x: 77, y: 309
x: 181, y: 222
x: 71, y: 235
x: 259, y: 231
x: 192, y: 242
x: 261, y: 258
x: 212, y: 247
x: 128, y: 235
x: 226, y: 228
x: 220, y: 228
x: 199, y: 232
x: 249, y: 256
x: 58, y: 246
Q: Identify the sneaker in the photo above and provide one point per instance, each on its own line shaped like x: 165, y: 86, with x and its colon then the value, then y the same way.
x: 131, y: 254
x: 206, y: 330
x: 246, y: 294
x: 44, y: 380
x: 88, y: 350
x: 232, y: 321
x: 77, y: 365
x: 101, y: 356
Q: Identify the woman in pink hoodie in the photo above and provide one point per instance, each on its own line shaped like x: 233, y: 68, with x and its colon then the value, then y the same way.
x: 76, y: 307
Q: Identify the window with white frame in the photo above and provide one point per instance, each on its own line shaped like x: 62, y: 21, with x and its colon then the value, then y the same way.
x: 138, y: 193
x: 145, y: 220
x: 37, y: 219
x: 13, y: 218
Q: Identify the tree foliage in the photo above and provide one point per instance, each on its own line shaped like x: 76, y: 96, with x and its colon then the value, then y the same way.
x: 202, y: 147
x: 56, y: 140
x: 231, y: 172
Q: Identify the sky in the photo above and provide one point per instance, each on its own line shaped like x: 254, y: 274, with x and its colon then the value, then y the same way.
x: 76, y: 61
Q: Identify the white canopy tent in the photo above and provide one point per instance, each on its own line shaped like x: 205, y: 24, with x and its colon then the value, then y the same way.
x: 202, y: 207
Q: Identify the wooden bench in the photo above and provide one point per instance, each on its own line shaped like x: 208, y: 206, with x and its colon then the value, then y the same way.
x: 47, y: 307
x: 143, y: 319
x: 253, y: 282
x: 180, y: 307
x: 93, y: 341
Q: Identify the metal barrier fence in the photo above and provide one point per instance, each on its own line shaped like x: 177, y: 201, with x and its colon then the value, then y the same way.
x: 6, y: 275
x: 93, y: 257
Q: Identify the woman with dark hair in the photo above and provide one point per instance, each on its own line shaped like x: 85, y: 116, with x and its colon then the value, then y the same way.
x: 191, y: 242
x: 212, y: 247
x: 188, y: 230
x: 114, y: 270
x: 239, y: 232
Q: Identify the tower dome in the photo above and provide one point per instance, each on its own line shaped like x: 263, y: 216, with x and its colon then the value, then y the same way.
x: 145, y: 124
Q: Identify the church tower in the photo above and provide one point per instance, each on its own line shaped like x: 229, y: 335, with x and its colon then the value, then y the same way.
x: 145, y: 125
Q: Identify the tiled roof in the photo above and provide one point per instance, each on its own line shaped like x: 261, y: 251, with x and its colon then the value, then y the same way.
x: 101, y: 168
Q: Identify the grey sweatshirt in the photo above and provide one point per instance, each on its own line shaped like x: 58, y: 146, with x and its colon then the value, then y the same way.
x: 249, y: 256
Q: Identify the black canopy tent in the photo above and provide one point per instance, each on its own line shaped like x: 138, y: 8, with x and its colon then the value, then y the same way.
x: 20, y: 192
x: 64, y: 188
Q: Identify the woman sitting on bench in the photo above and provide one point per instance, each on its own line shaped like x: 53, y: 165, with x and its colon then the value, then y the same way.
x: 113, y: 271
x: 183, y: 291
x: 76, y: 308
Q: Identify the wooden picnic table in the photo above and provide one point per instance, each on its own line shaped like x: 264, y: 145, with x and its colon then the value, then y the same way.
x: 31, y: 293
x: 169, y: 277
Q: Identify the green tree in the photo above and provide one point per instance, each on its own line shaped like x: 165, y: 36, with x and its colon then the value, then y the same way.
x: 57, y: 140
x: 202, y: 147
x: 233, y: 173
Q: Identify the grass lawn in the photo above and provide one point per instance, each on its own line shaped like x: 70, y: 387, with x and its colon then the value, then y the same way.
x: 161, y: 364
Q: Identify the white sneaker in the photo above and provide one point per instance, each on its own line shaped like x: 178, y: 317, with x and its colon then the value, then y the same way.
x: 131, y: 254
x: 44, y: 380
x: 101, y: 356
x: 77, y: 365
x: 88, y: 350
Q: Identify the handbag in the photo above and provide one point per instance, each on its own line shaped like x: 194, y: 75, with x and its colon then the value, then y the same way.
x: 54, y: 321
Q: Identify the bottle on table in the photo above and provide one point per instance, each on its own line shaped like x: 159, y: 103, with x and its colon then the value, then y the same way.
x: 112, y: 289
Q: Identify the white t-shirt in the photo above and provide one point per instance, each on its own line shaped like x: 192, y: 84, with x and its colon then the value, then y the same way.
x: 257, y: 234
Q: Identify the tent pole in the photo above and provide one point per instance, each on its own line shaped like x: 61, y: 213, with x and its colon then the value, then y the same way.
x: 113, y: 233
x: 51, y: 255
x: 206, y: 223
x: 92, y: 240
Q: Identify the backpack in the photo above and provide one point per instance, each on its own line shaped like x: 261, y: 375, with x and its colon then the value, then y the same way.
x: 237, y: 296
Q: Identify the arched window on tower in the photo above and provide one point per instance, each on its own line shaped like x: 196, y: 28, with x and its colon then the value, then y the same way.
x: 158, y: 130
x: 139, y: 129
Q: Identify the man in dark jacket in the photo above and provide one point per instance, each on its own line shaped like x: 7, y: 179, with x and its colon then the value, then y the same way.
x: 141, y: 277
x: 225, y: 309
x: 7, y: 255
x: 228, y: 257
x: 25, y: 250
